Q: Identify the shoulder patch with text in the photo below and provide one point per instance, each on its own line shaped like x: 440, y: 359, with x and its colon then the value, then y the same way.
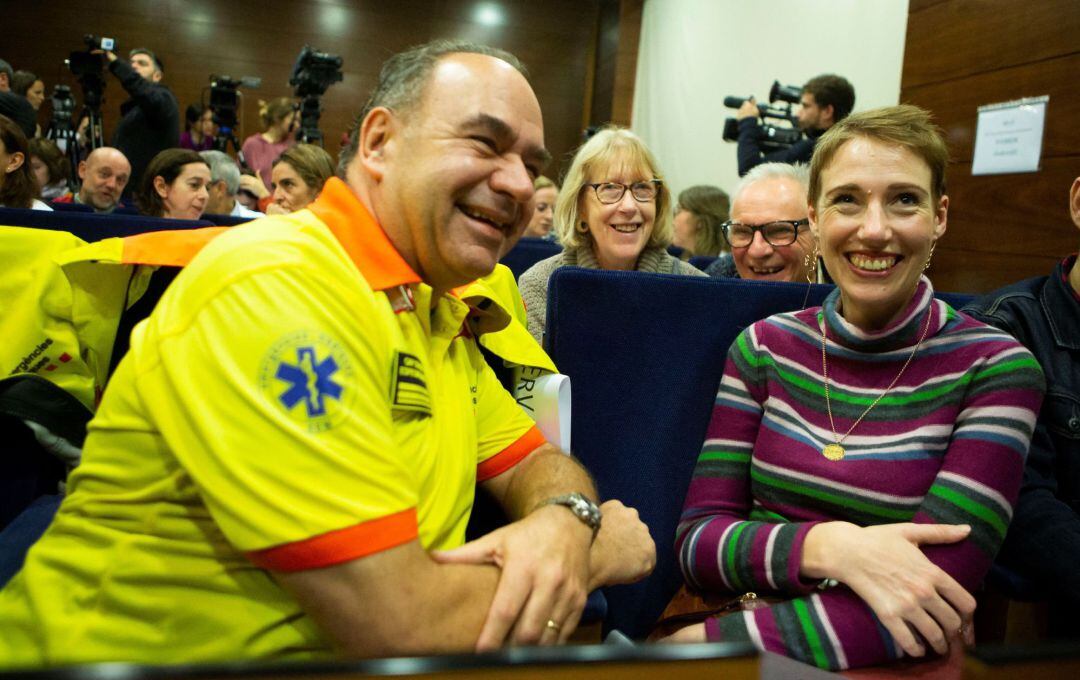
x: 307, y: 375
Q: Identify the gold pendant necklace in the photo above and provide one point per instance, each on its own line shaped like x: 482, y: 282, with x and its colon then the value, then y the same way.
x: 836, y: 451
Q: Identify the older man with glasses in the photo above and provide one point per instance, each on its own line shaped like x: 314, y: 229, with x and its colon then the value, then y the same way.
x: 768, y: 231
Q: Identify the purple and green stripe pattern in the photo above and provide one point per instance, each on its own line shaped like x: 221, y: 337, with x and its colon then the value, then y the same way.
x: 946, y: 445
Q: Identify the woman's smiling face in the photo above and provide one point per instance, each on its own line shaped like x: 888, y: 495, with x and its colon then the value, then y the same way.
x: 876, y: 221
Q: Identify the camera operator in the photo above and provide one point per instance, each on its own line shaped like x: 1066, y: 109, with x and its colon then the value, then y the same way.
x: 13, y: 106
x: 151, y: 117
x: 826, y: 100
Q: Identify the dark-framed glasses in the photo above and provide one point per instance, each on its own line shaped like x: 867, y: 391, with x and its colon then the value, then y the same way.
x: 612, y: 192
x: 778, y: 233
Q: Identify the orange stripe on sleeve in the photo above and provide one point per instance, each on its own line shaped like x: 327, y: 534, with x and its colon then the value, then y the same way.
x: 340, y: 545
x: 511, y: 455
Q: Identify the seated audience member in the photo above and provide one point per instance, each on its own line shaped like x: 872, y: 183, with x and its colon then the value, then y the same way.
x: 768, y: 232
x: 613, y: 212
x: 14, y: 106
x: 103, y: 174
x: 283, y: 465
x: 199, y: 128
x: 26, y: 84
x: 261, y: 149
x: 863, y: 457
x: 224, y: 184
x: 50, y: 167
x: 699, y: 218
x: 18, y: 188
x: 543, y: 209
x: 1043, y: 542
x: 175, y: 185
x: 298, y: 175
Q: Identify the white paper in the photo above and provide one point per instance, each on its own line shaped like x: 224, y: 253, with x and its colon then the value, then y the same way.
x: 546, y: 398
x: 1009, y: 137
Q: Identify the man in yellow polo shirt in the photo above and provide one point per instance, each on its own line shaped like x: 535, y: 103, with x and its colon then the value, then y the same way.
x: 284, y: 463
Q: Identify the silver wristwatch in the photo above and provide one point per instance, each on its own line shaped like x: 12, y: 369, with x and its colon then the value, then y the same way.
x: 582, y: 507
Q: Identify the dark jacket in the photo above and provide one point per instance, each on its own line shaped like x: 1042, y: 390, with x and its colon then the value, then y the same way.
x: 19, y: 110
x: 150, y: 123
x: 1044, y: 538
x: 750, y: 154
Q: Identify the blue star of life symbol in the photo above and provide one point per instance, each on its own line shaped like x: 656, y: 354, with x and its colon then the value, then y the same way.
x: 310, y: 381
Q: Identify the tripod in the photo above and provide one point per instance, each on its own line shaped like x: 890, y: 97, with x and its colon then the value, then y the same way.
x: 310, y: 110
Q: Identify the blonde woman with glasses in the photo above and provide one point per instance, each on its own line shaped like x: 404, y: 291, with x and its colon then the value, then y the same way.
x: 613, y: 212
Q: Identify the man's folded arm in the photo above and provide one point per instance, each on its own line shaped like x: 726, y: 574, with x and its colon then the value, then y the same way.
x: 395, y: 602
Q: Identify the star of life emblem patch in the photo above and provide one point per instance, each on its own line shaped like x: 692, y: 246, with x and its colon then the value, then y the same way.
x: 408, y: 384
x: 306, y: 374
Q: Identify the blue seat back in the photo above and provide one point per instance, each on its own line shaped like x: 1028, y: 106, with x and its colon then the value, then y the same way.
x: 528, y: 252
x: 645, y: 353
x: 92, y: 226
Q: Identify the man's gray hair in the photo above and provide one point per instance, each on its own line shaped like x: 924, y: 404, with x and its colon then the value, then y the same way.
x: 403, y: 80
x: 223, y: 168
x: 794, y: 171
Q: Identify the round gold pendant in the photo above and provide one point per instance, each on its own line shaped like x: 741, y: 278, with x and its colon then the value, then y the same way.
x: 833, y: 452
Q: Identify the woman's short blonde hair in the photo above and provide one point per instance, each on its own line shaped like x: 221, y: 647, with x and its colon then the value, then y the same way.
x: 609, y: 150
x: 904, y: 125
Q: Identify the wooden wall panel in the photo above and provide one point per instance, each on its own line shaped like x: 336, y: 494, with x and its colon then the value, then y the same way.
x: 957, y: 38
x: 961, y: 54
x: 957, y: 106
x: 262, y: 38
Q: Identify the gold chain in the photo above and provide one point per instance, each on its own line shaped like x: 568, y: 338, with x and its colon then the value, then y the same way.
x: 836, y: 451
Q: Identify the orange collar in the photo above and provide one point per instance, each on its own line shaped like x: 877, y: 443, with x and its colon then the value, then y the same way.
x: 362, y: 237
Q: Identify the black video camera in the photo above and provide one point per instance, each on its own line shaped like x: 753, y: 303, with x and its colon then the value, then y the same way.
x: 225, y: 100
x: 772, y: 137
x: 89, y: 68
x: 312, y: 74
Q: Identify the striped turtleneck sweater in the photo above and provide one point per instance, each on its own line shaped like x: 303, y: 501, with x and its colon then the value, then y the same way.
x: 946, y: 445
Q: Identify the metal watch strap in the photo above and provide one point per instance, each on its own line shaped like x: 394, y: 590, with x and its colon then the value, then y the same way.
x: 583, y: 508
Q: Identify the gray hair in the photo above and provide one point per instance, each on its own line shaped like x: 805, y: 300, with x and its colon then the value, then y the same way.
x: 6, y: 69
x: 797, y: 172
x: 223, y: 168
x: 403, y: 80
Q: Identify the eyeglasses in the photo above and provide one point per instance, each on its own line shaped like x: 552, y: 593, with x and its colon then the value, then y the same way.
x: 779, y: 233
x: 612, y: 192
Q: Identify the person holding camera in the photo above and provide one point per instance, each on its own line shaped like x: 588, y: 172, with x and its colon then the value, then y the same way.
x: 826, y: 100
x: 151, y: 117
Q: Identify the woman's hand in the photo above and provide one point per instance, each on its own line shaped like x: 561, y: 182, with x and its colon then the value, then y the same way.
x: 885, y: 567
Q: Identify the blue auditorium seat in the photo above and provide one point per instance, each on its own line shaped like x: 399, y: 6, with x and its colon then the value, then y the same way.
x: 70, y: 207
x: 645, y: 353
x: 225, y: 220
x: 92, y: 226
x: 528, y: 252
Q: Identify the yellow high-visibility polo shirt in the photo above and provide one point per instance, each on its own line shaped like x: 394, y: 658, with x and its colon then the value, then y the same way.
x: 294, y: 401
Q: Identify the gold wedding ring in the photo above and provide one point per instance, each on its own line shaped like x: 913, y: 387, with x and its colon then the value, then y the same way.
x: 553, y: 626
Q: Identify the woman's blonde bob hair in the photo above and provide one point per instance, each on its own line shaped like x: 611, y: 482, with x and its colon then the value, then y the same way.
x: 609, y: 151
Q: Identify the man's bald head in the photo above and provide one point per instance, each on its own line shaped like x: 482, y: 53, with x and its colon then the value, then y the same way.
x: 104, y: 174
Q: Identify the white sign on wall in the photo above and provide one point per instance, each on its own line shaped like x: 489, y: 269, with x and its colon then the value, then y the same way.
x: 1009, y: 136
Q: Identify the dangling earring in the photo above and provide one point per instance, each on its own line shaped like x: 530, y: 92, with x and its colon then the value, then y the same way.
x: 929, y: 256
x: 811, y: 262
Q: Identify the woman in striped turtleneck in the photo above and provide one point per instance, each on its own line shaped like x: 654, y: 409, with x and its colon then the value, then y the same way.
x: 863, y: 458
